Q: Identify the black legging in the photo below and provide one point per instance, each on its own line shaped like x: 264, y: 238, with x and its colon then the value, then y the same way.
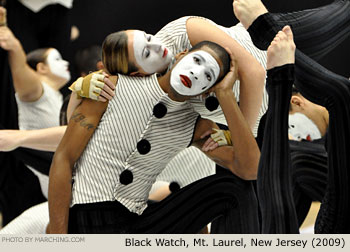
x: 309, y: 174
x: 185, y: 211
x: 274, y: 181
x: 324, y: 88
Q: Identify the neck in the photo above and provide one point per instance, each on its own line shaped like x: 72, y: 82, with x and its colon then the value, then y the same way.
x: 164, y: 82
x: 52, y: 83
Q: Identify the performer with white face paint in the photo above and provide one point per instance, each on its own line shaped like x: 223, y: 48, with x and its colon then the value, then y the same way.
x: 189, y: 80
x: 302, y: 128
x: 57, y: 65
x: 150, y: 54
x: 307, y: 120
x: 37, y: 79
x: 135, y: 156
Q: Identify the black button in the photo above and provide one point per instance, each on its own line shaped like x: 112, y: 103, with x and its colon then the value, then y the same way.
x: 211, y: 103
x: 126, y: 177
x: 143, y: 146
x: 159, y: 110
x: 174, y: 187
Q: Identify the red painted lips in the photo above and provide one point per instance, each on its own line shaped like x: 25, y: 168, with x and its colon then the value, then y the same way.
x: 186, y: 81
x: 165, y: 52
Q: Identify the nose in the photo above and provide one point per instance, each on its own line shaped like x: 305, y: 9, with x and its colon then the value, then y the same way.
x: 154, y: 46
x: 194, y: 75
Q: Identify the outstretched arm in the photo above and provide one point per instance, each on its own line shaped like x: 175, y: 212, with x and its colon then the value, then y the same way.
x: 41, y: 139
x: 26, y: 82
x: 250, y: 73
x: 79, y: 131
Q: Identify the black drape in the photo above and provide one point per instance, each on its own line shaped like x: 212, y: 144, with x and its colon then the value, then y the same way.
x: 19, y: 187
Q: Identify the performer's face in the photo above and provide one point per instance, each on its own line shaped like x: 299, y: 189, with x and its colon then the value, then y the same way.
x: 148, y: 53
x: 300, y: 127
x: 57, y: 65
x: 195, y: 73
x: 312, y: 116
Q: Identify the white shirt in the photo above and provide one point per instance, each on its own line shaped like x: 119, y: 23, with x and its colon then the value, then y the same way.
x: 40, y: 114
x: 37, y: 5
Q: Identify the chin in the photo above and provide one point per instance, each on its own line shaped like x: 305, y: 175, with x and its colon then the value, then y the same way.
x: 177, y: 95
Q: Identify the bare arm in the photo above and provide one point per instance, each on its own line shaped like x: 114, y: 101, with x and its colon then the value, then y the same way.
x: 25, y: 80
x: 73, y: 103
x: 243, y: 157
x: 250, y: 73
x: 79, y: 131
x: 42, y: 139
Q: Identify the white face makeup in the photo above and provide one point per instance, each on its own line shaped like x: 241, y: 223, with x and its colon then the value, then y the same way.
x: 150, y: 54
x: 194, y: 74
x: 57, y: 65
x: 301, y: 127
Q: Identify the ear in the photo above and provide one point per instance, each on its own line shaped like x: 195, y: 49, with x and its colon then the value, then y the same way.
x: 42, y: 68
x: 181, y: 54
x: 137, y: 74
x: 99, y: 65
x: 297, y: 103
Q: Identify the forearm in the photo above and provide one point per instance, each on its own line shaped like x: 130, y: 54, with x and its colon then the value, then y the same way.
x: 246, y: 150
x: 252, y: 83
x: 77, y: 135
x: 25, y: 80
x: 60, y: 186
x: 74, y: 102
x: 43, y: 139
x: 17, y: 58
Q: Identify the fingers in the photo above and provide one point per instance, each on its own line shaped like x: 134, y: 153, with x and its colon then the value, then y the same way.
x: 106, y: 95
x: 102, y: 87
x: 205, y: 134
x: 209, y: 145
x: 105, y: 74
x: 109, y: 87
x: 101, y: 99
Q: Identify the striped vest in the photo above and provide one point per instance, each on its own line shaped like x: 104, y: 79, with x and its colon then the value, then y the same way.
x: 115, y: 146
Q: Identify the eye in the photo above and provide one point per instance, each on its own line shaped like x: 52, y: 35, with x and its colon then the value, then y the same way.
x: 149, y: 38
x: 147, y: 53
x: 196, y: 60
x: 208, y: 76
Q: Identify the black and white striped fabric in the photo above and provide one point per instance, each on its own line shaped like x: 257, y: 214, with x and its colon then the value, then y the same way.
x: 113, y: 148
x: 174, y: 36
x: 191, y: 164
x: 188, y: 166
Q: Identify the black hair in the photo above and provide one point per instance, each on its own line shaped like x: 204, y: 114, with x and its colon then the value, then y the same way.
x: 295, y: 90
